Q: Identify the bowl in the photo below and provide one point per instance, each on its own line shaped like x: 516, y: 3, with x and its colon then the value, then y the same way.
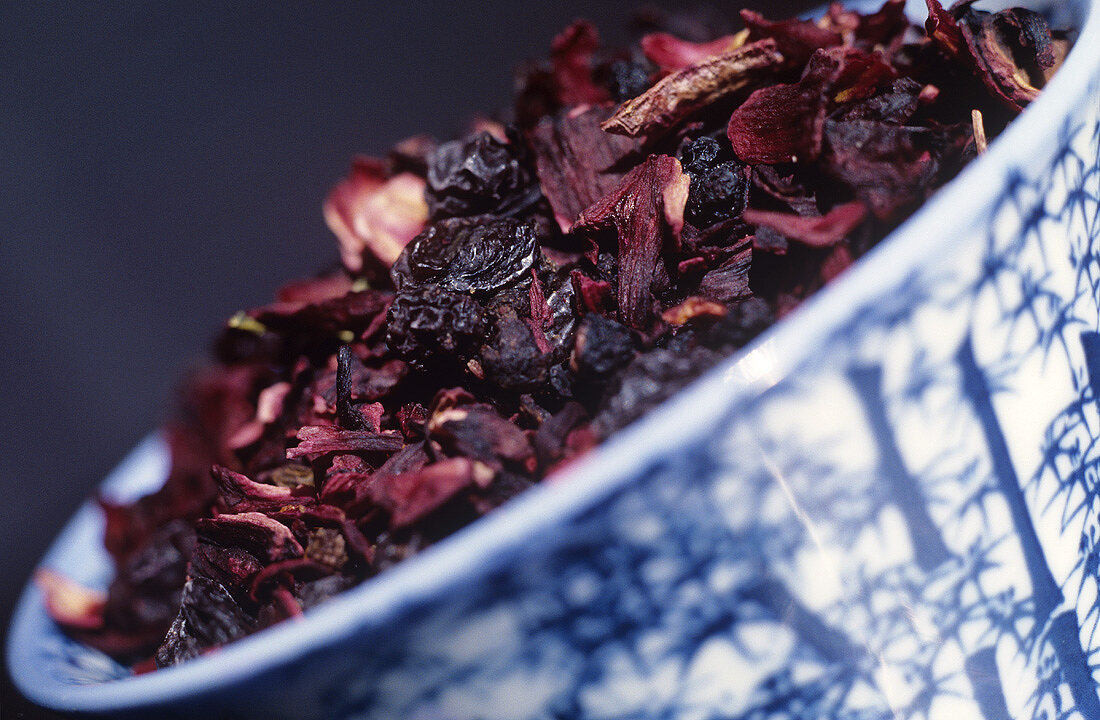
x: 886, y: 506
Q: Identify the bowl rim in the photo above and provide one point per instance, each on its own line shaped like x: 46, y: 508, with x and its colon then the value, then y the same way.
x: 466, y: 555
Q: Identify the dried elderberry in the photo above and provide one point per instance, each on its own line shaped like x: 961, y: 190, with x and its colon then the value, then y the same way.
x: 719, y: 189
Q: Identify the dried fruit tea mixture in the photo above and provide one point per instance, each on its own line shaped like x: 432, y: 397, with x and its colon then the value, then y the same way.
x: 510, y: 299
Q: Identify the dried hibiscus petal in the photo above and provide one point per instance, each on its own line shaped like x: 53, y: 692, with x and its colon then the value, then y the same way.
x: 577, y: 161
x: 670, y: 53
x: 646, y: 212
x: 319, y: 440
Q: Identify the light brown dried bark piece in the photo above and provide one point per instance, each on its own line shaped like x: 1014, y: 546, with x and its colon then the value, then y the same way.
x: 682, y: 93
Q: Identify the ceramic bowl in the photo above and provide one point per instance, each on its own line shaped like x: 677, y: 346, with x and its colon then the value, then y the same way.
x: 887, y: 506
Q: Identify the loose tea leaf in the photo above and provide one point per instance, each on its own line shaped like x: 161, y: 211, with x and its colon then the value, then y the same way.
x: 509, y: 299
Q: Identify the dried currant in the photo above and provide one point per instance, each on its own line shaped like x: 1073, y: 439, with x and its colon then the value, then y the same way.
x: 480, y: 174
x: 468, y: 255
x: 427, y: 324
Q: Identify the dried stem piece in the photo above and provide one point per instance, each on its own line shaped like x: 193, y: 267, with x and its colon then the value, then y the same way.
x: 682, y: 93
x: 979, y: 130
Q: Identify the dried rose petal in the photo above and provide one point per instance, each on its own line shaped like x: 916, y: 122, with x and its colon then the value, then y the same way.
x: 370, y: 213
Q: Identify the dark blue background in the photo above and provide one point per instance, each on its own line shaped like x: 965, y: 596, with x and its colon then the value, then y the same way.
x: 162, y: 166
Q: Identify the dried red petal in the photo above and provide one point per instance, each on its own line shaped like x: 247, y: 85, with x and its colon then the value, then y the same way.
x: 571, y: 58
x: 410, y: 497
x: 680, y: 95
x: 577, y: 161
x: 372, y: 214
x: 823, y: 231
x: 239, y: 494
x: 316, y: 440
x: 784, y: 123
x: 796, y: 39
x: 253, y: 531
x: 646, y: 212
x: 670, y: 53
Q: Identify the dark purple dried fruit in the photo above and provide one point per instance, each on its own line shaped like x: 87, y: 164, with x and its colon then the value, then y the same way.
x: 479, y: 174
x: 602, y: 346
x: 627, y: 79
x: 430, y: 324
x: 468, y: 255
x: 719, y: 189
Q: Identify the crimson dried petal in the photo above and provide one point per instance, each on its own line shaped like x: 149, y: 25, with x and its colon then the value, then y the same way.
x: 478, y: 432
x: 680, y: 95
x: 784, y: 123
x: 372, y: 214
x: 571, y: 59
x: 252, y: 531
x: 592, y: 295
x: 316, y: 440
x: 670, y: 53
x: 887, y: 166
x: 233, y: 567
x: 411, y: 496
x: 239, y: 494
x: 646, y: 212
x: 301, y: 569
x: 796, y: 39
x: 823, y: 231
x: 730, y: 281
x: 269, y: 406
x: 576, y: 160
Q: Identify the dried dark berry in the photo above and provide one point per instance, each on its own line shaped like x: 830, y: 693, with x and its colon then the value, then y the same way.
x: 479, y: 174
x: 208, y: 616
x: 627, y: 79
x: 743, y: 322
x: 468, y: 255
x: 602, y: 346
x: 700, y: 155
x: 649, y: 379
x: 429, y: 324
x: 512, y: 360
x: 719, y: 189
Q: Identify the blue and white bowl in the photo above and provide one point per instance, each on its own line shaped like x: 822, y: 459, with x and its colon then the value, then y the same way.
x: 887, y: 507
